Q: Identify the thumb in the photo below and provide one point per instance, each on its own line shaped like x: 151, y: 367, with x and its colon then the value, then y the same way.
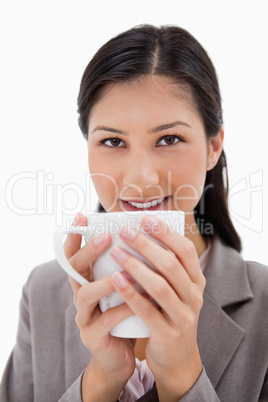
x: 73, y: 241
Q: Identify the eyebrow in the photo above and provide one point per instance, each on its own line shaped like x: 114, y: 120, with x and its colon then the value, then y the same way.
x: 167, y: 126
x: 154, y: 130
x: 110, y: 129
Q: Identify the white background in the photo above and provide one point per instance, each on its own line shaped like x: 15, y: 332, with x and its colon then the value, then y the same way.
x: 45, y: 47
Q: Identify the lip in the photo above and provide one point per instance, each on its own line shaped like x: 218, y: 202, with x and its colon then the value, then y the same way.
x: 129, y: 207
x: 142, y: 200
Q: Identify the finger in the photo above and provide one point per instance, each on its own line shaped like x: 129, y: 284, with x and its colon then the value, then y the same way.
x: 82, y: 260
x: 104, y: 324
x: 140, y: 305
x: 73, y: 241
x: 163, y: 260
x: 88, y: 296
x: 154, y: 284
x: 86, y: 255
x: 182, y: 247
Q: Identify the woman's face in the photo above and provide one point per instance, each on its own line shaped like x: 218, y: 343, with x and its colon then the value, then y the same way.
x: 147, y: 147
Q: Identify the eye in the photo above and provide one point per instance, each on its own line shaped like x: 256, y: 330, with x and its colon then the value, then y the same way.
x: 169, y: 140
x: 112, y: 142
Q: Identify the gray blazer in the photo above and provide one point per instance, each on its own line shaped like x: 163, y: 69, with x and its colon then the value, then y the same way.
x: 48, y: 360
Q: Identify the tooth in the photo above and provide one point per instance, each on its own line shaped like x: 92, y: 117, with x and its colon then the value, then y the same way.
x: 136, y: 204
x: 146, y: 204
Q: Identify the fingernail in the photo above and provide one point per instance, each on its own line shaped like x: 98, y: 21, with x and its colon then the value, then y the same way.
x: 74, y: 222
x: 128, y: 232
x: 76, y: 219
x: 150, y: 223
x: 119, y: 253
x: 99, y: 239
x: 119, y: 280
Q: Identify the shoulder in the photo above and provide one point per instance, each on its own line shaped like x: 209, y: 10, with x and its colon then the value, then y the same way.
x: 228, y: 259
x: 231, y: 279
x: 48, y: 281
x: 258, y: 277
x: 257, y: 270
x: 47, y: 272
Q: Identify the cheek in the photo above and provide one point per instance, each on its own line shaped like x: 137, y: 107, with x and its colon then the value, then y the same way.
x: 107, y: 191
x: 188, y: 184
x: 101, y: 162
x: 187, y: 196
x: 104, y: 180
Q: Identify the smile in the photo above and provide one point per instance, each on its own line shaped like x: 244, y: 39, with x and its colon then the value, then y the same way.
x: 154, y: 204
x: 146, y: 204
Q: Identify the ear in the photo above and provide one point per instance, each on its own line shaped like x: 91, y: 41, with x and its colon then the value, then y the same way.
x: 215, y: 146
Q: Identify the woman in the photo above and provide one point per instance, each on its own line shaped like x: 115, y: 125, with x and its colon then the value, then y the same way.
x: 150, y: 108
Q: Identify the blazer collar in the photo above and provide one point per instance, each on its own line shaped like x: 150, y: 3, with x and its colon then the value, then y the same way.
x: 226, y: 275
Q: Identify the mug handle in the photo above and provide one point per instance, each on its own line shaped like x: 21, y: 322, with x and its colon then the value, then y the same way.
x: 59, y: 251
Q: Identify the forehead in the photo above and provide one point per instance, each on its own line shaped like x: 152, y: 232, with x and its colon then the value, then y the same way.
x: 149, y: 96
x: 150, y: 85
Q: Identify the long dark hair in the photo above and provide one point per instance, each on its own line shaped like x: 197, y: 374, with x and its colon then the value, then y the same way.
x: 172, y: 52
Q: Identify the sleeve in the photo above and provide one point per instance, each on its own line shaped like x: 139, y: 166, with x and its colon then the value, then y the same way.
x: 74, y: 393
x: 17, y: 384
x: 264, y: 391
x: 201, y: 391
x: 17, y: 380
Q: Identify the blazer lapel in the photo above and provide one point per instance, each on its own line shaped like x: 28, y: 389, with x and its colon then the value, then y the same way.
x: 218, y: 337
x: 226, y: 284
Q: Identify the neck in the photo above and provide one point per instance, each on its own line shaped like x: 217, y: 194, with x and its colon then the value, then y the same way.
x: 192, y: 233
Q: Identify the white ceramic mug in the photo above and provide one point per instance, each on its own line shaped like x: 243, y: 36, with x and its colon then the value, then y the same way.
x: 98, y: 223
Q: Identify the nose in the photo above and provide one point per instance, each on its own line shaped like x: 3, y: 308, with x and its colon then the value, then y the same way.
x: 141, y: 171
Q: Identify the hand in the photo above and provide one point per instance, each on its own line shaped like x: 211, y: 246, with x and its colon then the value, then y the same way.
x: 113, y: 360
x: 177, y: 287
